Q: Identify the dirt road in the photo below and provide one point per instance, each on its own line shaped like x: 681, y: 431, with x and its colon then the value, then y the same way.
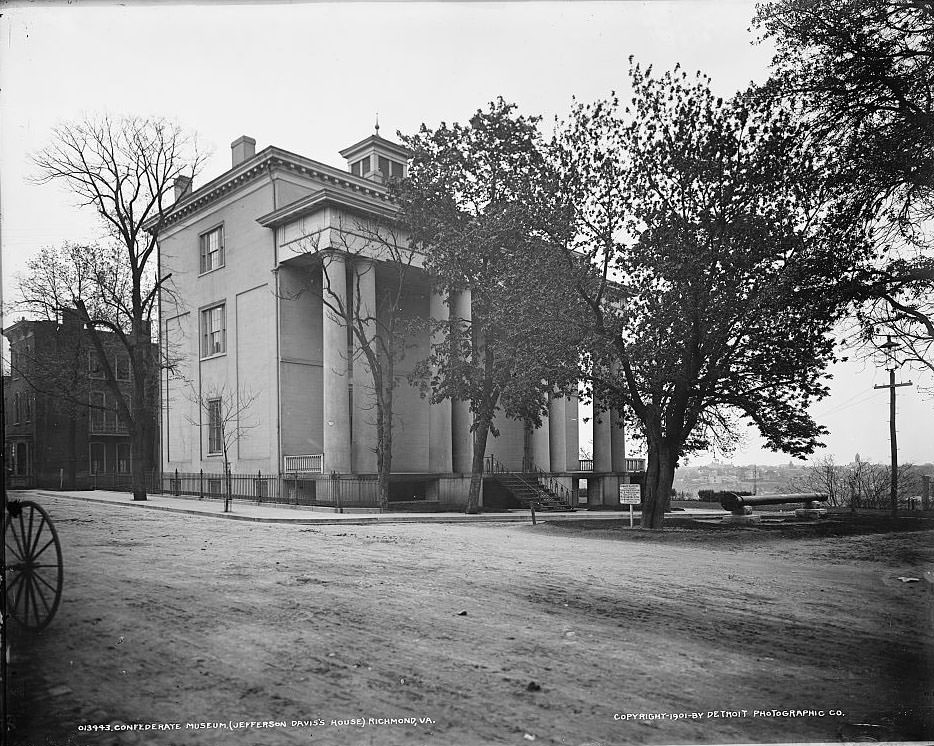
x: 202, y: 631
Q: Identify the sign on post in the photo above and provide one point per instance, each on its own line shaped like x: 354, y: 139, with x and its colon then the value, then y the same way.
x: 630, y: 494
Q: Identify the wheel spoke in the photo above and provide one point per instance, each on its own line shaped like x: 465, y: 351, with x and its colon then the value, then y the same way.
x: 35, y: 555
x: 16, y: 580
x: 34, y: 588
x: 35, y: 541
x: 27, y: 597
x: 12, y: 526
x: 27, y: 535
x: 46, y: 583
x: 13, y: 550
x: 41, y: 596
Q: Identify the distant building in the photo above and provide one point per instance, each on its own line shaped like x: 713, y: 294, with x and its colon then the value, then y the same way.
x: 246, y: 253
x: 62, y: 425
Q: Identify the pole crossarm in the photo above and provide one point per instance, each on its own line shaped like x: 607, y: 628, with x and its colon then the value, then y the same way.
x: 893, y: 441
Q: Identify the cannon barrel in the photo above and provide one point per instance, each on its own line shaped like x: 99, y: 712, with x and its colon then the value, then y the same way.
x: 737, y: 503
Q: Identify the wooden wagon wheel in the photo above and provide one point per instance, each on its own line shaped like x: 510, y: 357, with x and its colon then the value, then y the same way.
x: 33, y: 565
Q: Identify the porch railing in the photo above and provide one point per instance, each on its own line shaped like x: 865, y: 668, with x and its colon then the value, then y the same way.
x: 310, y: 464
x: 631, y: 464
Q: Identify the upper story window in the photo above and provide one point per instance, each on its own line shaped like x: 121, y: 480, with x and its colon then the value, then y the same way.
x: 213, y: 330
x: 95, y: 369
x: 97, y: 404
x: 123, y: 368
x: 361, y: 167
x: 215, y: 427
x: 104, y: 417
x: 212, y: 249
x: 390, y: 169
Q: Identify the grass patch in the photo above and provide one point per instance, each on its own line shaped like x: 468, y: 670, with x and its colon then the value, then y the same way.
x: 682, y: 529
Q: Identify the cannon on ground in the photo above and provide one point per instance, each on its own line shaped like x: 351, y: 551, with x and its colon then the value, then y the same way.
x: 740, y: 506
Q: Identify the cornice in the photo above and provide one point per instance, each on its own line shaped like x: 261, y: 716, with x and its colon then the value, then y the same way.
x: 264, y: 162
x: 327, y: 196
x: 378, y: 143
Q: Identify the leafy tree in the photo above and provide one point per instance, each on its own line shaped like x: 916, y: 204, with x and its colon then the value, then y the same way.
x: 863, y: 73
x: 719, y: 256
x: 469, y: 206
x: 125, y: 170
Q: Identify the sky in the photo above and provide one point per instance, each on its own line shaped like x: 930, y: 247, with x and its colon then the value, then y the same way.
x: 313, y: 77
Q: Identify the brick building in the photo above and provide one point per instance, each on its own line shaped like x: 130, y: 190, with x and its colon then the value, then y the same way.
x: 62, y: 426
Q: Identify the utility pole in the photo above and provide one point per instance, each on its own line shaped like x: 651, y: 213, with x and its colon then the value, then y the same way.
x: 890, y: 347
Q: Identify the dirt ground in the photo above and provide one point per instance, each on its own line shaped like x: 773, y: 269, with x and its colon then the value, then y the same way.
x: 203, y: 631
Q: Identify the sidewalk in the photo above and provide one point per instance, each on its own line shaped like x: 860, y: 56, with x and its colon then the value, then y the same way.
x: 286, y: 514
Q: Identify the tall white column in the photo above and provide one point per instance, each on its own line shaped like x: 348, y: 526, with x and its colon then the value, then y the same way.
x: 363, y: 307
x: 335, y: 363
x: 541, y: 445
x: 558, y: 433
x: 618, y: 442
x: 572, y: 437
x: 440, y: 441
x: 462, y: 438
x: 602, y: 439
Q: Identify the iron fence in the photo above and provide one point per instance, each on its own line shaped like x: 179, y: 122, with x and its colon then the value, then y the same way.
x: 337, y: 491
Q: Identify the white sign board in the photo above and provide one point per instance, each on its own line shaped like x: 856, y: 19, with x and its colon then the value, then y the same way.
x: 630, y: 494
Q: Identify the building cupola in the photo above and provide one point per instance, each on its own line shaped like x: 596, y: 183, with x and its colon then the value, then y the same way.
x: 377, y: 158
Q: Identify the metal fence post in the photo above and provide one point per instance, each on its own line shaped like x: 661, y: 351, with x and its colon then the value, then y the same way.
x: 201, y: 485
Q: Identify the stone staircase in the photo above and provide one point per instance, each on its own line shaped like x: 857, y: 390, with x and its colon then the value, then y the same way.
x: 531, y: 487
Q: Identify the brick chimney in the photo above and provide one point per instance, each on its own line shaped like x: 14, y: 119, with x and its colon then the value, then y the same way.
x: 242, y: 149
x: 182, y: 187
x: 70, y: 318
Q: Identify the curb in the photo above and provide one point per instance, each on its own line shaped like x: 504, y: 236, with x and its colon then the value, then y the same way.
x: 350, y: 518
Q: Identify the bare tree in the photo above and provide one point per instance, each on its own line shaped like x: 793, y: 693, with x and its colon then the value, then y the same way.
x: 382, y: 331
x: 823, y: 476
x: 225, y: 414
x: 126, y: 170
x: 861, y: 484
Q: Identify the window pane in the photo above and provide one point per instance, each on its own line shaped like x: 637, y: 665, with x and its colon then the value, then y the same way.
x: 97, y: 412
x: 98, y: 462
x: 213, y: 323
x: 95, y: 369
x: 212, y: 250
x: 384, y: 166
x: 215, y: 429
x: 123, y: 458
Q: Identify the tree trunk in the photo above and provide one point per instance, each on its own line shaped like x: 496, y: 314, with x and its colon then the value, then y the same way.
x: 138, y: 447
x: 384, y: 448
x: 656, y: 489
x: 72, y: 449
x: 142, y: 410
x: 476, y: 472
